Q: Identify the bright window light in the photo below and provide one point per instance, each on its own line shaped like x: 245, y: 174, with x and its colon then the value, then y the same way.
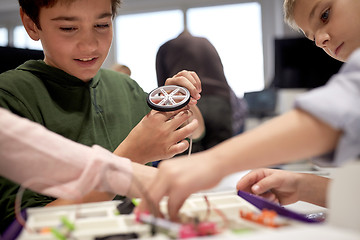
x: 3, y: 37
x: 22, y: 39
x: 138, y: 38
x: 236, y: 32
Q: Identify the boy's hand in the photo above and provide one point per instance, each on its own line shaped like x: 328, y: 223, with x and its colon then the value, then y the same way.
x: 158, y: 136
x: 161, y: 135
x: 286, y: 187
x: 277, y: 186
x: 190, y: 81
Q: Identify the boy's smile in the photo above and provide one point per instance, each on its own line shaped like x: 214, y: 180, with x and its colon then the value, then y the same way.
x: 334, y: 25
x: 76, y: 37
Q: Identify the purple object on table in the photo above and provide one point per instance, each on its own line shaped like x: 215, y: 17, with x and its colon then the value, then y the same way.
x: 15, y: 228
x: 262, y: 203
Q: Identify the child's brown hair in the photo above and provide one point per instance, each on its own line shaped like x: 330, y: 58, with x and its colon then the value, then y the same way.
x: 32, y: 7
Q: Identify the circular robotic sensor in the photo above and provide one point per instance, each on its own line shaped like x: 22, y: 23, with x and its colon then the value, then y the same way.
x: 168, y: 98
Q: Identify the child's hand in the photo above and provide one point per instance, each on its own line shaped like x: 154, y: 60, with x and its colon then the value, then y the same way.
x: 189, y: 80
x: 275, y: 185
x: 178, y: 178
x: 158, y: 136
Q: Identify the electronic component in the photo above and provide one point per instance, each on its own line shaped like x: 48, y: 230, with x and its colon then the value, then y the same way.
x: 123, y: 236
x: 201, y: 215
x: 126, y: 206
x: 262, y: 203
x: 266, y: 217
x: 178, y: 230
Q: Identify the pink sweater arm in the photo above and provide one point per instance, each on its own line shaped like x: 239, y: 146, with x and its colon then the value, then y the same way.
x: 53, y: 165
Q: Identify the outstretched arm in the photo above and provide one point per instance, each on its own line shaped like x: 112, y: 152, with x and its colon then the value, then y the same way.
x: 53, y: 165
x: 292, y: 136
x: 141, y: 176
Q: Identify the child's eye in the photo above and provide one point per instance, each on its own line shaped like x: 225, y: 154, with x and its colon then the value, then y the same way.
x: 102, y: 25
x: 325, y: 15
x: 68, y: 29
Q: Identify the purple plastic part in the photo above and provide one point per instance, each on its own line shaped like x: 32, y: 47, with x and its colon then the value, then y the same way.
x: 15, y: 228
x: 262, y: 203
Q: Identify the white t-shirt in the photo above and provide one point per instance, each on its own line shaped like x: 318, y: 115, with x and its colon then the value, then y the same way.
x: 338, y: 104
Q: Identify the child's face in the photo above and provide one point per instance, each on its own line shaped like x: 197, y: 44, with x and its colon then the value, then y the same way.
x: 76, y: 37
x: 334, y: 25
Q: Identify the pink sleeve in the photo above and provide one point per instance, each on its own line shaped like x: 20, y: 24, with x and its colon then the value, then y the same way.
x: 53, y: 165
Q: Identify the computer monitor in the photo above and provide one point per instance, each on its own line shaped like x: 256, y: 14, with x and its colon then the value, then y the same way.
x: 261, y: 103
x: 299, y: 63
x: 12, y: 57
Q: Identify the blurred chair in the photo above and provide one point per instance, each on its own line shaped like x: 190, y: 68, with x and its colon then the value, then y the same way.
x: 121, y: 68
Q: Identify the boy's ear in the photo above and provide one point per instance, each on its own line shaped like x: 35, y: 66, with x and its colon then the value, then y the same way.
x: 30, y: 26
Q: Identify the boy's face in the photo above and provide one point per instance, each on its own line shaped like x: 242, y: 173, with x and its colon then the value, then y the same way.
x: 76, y: 37
x: 334, y: 25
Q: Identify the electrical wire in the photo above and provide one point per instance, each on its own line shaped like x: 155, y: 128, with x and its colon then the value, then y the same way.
x: 190, y: 146
x: 18, y: 200
x: 190, y: 138
x: 218, y: 211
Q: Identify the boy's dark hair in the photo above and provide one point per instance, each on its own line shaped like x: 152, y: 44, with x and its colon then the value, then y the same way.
x: 32, y: 7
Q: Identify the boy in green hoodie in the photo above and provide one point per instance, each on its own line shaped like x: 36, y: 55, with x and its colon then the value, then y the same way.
x: 70, y: 95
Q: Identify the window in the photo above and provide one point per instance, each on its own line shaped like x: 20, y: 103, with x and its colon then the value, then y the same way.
x: 234, y: 29
x: 138, y: 38
x: 236, y: 32
x: 22, y: 39
x: 3, y: 37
